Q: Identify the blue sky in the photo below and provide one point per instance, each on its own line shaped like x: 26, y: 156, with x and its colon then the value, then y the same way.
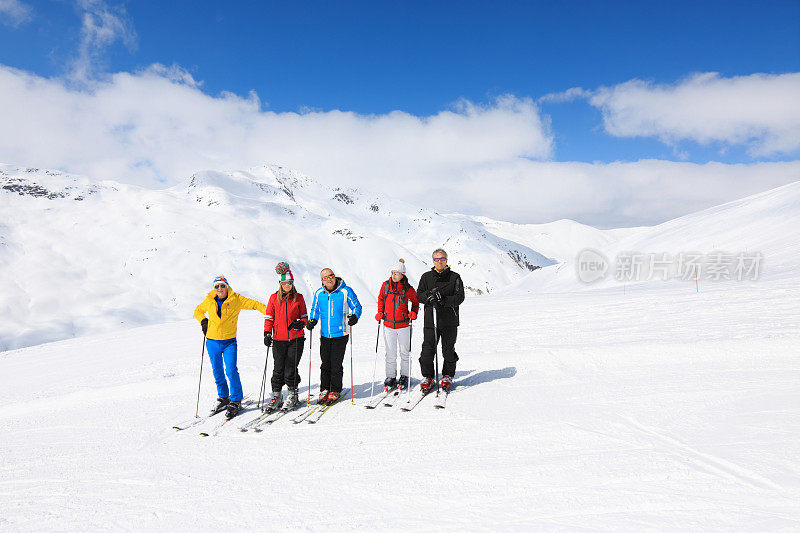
x: 422, y: 58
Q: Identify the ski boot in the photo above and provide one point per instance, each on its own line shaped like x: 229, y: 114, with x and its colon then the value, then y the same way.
x: 234, y: 408
x: 292, y: 399
x: 275, y: 401
x: 221, y: 404
x: 427, y: 385
x: 402, y: 383
x: 389, y: 384
x: 333, y: 396
x: 446, y: 383
x: 323, y: 396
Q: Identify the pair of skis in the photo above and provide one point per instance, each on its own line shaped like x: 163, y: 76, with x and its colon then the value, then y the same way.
x: 194, y: 422
x: 440, y: 403
x: 387, y: 398
x: 390, y: 397
x: 314, y: 412
x: 267, y: 417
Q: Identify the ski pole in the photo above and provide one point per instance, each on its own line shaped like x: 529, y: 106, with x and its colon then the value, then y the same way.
x: 351, y: 366
x: 310, y: 355
x: 410, y: 360
x: 436, y: 345
x: 375, y: 366
x: 199, y: 381
x: 296, y: 373
x: 262, y: 393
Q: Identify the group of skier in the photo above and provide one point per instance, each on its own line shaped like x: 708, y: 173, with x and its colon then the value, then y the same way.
x: 336, y: 309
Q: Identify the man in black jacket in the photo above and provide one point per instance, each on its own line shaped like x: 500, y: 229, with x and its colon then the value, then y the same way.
x: 442, y: 291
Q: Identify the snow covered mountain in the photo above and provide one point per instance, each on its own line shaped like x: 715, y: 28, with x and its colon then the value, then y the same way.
x: 80, y: 256
x: 765, y: 224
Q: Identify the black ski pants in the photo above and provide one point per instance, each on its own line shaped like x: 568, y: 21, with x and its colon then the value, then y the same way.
x: 286, y: 355
x: 447, y: 334
x: 331, y: 351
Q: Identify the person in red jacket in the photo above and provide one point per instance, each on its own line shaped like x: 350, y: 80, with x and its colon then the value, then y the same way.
x: 283, y: 328
x: 393, y: 308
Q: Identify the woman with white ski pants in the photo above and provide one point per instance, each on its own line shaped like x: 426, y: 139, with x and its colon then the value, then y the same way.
x: 393, y: 308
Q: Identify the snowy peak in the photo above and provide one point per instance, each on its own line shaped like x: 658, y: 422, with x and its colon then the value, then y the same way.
x: 47, y: 184
x: 130, y: 245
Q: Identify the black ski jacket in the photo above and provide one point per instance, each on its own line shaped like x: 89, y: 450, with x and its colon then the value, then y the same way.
x: 452, y: 290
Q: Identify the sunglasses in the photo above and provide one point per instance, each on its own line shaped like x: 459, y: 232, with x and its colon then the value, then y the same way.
x: 440, y: 259
x: 290, y: 282
x: 326, y: 278
x: 397, y: 273
x: 220, y: 286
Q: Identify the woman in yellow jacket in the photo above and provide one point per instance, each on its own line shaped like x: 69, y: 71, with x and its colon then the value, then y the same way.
x: 222, y: 306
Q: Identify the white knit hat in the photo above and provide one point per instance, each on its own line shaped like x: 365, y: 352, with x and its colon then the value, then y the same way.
x: 400, y: 267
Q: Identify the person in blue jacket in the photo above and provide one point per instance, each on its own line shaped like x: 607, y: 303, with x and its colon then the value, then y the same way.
x: 336, y: 307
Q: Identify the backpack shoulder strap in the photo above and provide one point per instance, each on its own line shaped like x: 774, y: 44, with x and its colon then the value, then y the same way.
x: 385, y: 291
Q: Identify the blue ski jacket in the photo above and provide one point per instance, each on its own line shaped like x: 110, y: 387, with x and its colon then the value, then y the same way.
x: 331, y: 309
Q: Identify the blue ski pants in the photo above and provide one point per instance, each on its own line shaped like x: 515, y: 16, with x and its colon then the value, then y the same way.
x: 225, y: 351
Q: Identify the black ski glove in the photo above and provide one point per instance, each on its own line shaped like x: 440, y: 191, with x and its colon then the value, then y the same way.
x: 311, y: 323
x: 297, y: 324
x: 352, y: 320
x: 434, y: 297
x: 267, y: 338
x: 204, y: 325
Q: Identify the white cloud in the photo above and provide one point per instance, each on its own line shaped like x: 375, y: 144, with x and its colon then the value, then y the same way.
x: 157, y: 127
x: 14, y: 13
x: 760, y: 111
x: 101, y: 26
x: 618, y: 194
x: 570, y: 95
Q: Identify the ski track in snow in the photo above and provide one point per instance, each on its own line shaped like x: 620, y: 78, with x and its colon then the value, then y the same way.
x: 658, y: 409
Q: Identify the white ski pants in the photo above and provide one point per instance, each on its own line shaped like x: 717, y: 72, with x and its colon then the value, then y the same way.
x: 397, y: 340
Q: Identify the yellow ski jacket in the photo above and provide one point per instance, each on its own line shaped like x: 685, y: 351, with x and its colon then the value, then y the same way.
x: 224, y: 327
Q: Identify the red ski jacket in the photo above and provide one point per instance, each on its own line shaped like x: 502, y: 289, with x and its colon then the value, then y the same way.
x: 280, y: 315
x: 393, y: 303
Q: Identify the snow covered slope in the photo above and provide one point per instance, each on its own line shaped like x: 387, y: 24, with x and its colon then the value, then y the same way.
x: 767, y: 223
x: 81, y: 257
x: 654, y: 410
x: 561, y: 240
